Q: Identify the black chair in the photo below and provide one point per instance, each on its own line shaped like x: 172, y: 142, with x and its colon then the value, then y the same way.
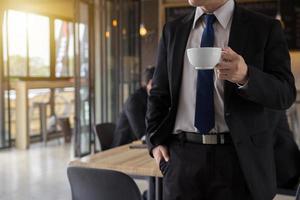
x: 97, y: 184
x: 105, y: 133
x: 65, y: 126
x: 298, y: 193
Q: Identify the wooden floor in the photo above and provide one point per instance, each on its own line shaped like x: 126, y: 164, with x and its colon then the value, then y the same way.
x: 40, y: 173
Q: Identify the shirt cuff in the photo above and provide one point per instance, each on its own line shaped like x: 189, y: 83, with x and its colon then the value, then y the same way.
x: 244, y: 86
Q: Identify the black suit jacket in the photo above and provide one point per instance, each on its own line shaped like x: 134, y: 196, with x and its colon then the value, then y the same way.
x: 131, y: 123
x: 287, y: 154
x: 261, y: 42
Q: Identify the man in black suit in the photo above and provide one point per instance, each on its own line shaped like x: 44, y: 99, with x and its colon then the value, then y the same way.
x: 286, y: 151
x: 287, y: 154
x: 131, y: 123
x: 209, y: 130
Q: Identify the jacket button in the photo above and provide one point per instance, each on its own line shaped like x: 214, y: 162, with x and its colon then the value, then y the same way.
x: 227, y: 114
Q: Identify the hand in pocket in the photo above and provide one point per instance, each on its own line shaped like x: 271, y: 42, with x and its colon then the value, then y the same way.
x: 163, y: 166
x: 160, y: 152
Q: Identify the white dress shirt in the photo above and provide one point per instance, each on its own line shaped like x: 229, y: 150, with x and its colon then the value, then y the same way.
x: 187, y: 98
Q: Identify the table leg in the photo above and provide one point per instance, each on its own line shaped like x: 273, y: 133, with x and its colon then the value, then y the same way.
x: 158, y: 188
x: 151, y: 188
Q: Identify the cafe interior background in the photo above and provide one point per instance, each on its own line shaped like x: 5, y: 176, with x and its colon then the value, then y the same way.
x: 67, y: 65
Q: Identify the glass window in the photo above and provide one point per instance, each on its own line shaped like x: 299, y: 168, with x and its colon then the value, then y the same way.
x: 39, y: 45
x: 5, y: 135
x: 64, y: 103
x: 26, y: 44
x: 4, y: 35
x: 84, y: 89
x: 17, y: 43
x: 84, y: 49
x: 37, y: 98
x: 10, y: 112
x: 122, y: 56
x: 64, y: 40
x: 28, y: 49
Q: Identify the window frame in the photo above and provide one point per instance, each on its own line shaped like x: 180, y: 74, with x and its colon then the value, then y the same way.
x: 52, y: 45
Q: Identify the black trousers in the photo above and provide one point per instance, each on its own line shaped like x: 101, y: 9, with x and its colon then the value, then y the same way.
x: 203, y: 172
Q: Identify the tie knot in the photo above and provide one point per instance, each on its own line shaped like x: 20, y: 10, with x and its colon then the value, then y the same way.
x: 209, y: 19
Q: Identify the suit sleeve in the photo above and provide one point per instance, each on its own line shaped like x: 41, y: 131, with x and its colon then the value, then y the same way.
x: 274, y: 87
x: 159, y: 98
x: 136, y: 117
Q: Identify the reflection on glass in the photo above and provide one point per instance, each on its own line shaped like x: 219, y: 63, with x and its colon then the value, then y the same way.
x: 111, y: 76
x: 10, y: 112
x: 64, y: 40
x: 85, y: 121
x: 39, y: 45
x: 122, y: 63
x: 17, y: 43
x: 4, y: 35
x: 5, y: 136
x: 84, y: 50
x: 35, y: 98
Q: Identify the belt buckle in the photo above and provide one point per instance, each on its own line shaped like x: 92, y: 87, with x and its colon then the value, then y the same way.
x: 209, y: 139
x: 222, y: 139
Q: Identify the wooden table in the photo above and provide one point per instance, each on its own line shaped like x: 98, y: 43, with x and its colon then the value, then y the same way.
x: 127, y: 159
x: 131, y: 161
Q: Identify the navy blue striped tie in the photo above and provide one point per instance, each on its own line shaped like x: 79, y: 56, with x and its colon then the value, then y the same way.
x: 204, y: 111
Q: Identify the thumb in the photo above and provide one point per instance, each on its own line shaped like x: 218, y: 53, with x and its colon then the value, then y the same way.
x: 157, y: 158
x: 165, y: 153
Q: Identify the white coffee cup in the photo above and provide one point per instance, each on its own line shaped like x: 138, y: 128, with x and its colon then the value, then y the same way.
x: 204, y: 57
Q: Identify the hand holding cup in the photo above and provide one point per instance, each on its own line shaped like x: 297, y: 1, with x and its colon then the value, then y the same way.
x: 232, y: 67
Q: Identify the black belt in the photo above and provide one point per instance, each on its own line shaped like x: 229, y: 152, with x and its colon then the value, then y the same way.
x: 211, y: 138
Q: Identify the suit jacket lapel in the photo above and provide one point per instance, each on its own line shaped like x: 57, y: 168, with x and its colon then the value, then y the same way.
x: 237, y: 38
x: 179, y: 46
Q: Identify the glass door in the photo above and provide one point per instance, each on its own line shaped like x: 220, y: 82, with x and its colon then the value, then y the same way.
x: 4, y: 90
x: 121, y: 67
x: 83, y: 82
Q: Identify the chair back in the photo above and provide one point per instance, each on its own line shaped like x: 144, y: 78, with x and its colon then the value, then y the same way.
x: 65, y: 126
x: 98, y: 184
x: 105, y: 133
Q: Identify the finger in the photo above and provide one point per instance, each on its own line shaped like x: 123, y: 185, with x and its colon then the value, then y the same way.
x: 224, y: 65
x: 226, y: 49
x: 224, y: 71
x: 157, y: 159
x: 229, y: 50
x: 224, y: 68
x: 165, y: 153
x: 224, y: 77
x: 157, y: 154
x: 228, y: 56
